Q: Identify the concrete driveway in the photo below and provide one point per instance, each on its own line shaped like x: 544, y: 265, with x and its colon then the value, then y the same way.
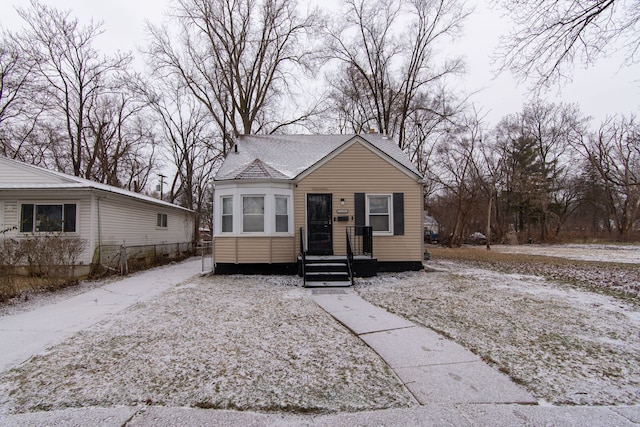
x: 31, y: 332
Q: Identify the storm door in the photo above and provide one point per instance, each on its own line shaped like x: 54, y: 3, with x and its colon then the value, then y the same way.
x: 320, y: 229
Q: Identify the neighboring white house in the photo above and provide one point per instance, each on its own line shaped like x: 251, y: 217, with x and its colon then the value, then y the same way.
x: 35, y: 201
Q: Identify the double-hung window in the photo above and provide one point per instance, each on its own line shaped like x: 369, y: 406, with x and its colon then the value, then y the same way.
x: 253, y: 214
x: 227, y: 214
x: 47, y: 218
x: 161, y: 221
x: 379, y: 213
x: 282, y: 214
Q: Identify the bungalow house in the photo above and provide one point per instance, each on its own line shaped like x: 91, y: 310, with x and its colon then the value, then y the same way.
x: 39, y: 202
x: 284, y: 202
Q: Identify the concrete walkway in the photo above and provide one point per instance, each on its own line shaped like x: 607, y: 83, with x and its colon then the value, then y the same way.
x: 29, y: 333
x: 425, y: 416
x: 434, y: 369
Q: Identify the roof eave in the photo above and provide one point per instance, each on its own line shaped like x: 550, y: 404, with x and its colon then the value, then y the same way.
x: 254, y: 181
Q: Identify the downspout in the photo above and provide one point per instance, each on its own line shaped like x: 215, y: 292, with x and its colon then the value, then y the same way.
x: 213, y: 228
x: 99, y: 234
x: 422, y: 187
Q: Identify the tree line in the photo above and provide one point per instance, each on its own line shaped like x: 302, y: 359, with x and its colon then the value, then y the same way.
x: 217, y: 69
x: 541, y: 175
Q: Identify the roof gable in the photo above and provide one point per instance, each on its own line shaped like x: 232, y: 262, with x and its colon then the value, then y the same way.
x: 15, y: 175
x: 15, y: 172
x: 293, y: 156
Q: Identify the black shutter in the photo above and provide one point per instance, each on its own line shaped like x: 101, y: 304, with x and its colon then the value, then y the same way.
x: 360, y: 214
x: 398, y: 214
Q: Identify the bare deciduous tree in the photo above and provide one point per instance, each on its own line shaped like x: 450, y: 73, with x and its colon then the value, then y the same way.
x: 68, y: 66
x: 188, y: 132
x: 18, y: 112
x: 387, y: 50
x: 236, y: 58
x: 119, y: 143
x: 550, y: 35
x: 614, y: 154
x: 459, y: 177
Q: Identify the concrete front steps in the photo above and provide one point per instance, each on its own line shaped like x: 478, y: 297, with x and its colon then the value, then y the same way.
x: 326, y: 271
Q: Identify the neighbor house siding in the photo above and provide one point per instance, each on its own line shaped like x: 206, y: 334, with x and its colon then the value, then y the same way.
x: 133, y: 222
x: 14, y: 200
x: 359, y: 170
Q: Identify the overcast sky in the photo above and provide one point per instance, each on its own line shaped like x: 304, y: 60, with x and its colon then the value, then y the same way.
x: 602, y: 90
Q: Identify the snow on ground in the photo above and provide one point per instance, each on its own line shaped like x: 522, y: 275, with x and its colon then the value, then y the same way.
x: 261, y: 343
x: 585, y: 252
x: 565, y: 344
x: 231, y: 342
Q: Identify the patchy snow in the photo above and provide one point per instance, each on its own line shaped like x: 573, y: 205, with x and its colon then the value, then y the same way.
x: 584, y: 252
x: 565, y: 344
x: 261, y: 343
x: 233, y: 342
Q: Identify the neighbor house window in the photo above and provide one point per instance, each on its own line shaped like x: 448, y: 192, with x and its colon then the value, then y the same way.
x: 379, y: 213
x: 48, y: 218
x: 282, y: 214
x: 162, y: 220
x: 253, y: 214
x: 227, y: 214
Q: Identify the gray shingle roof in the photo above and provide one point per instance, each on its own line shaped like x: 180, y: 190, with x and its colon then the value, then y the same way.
x: 287, y: 156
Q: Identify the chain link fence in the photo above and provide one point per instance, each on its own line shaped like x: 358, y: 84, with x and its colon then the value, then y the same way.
x: 121, y: 259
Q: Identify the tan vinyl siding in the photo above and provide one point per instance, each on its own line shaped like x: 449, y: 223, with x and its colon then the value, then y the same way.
x: 225, y: 249
x: 359, y: 170
x: 282, y: 250
x: 254, y: 250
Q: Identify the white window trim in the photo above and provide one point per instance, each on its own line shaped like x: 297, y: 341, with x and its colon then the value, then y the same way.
x: 289, y: 216
x: 162, y: 215
x: 264, y: 215
x: 48, y: 202
x: 269, y: 192
x: 389, y: 197
x: 233, y: 209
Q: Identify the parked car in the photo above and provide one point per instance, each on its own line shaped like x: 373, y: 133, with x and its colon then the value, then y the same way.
x: 478, y: 238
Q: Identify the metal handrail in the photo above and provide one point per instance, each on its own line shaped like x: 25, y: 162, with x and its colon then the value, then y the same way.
x: 303, y: 256
x: 350, y: 258
x: 362, y: 239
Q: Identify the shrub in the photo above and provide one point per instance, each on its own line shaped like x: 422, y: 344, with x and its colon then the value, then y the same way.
x: 52, y: 256
x: 10, y: 256
x: 51, y: 259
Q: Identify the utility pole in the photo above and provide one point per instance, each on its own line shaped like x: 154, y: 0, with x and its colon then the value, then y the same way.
x: 162, y: 177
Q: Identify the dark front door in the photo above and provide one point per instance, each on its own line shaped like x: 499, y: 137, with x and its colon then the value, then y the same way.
x: 320, y: 234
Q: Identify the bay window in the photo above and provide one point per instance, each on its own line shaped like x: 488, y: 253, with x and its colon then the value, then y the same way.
x: 253, y: 214
x: 282, y: 214
x: 227, y: 214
